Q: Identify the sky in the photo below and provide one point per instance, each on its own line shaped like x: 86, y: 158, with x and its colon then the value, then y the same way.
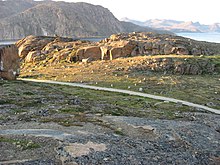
x: 203, y: 11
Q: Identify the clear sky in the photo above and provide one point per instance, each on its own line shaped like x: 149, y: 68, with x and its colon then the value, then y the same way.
x: 204, y: 11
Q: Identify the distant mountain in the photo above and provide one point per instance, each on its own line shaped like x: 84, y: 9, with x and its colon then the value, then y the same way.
x: 20, y: 18
x: 176, y: 26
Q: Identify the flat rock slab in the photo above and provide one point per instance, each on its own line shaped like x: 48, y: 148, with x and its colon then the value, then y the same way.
x: 79, y: 149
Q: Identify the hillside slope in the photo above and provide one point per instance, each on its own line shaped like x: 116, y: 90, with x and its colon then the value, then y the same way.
x: 61, y: 18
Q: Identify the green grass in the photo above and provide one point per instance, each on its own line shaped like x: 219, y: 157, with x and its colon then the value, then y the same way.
x: 22, y: 144
x: 57, y: 100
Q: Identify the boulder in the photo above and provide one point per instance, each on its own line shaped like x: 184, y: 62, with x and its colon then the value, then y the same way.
x: 121, y: 49
x: 196, y: 51
x: 181, y: 50
x: 9, y: 62
x: 32, y: 43
x: 92, y: 52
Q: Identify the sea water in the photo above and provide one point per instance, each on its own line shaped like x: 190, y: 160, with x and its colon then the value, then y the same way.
x: 210, y: 37
x: 8, y: 42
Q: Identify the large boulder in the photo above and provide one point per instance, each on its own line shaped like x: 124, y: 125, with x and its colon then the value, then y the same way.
x: 9, y: 62
x: 92, y: 52
x: 121, y: 49
x: 32, y: 43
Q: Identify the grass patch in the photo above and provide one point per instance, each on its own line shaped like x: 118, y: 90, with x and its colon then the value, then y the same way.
x: 58, y: 101
x: 22, y: 144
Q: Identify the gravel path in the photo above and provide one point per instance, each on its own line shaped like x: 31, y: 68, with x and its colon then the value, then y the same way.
x: 127, y: 92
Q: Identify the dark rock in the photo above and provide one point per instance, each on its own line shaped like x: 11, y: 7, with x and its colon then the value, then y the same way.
x: 9, y: 62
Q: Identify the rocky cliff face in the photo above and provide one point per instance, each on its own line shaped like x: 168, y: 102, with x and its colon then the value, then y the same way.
x: 50, y: 18
x: 12, y: 7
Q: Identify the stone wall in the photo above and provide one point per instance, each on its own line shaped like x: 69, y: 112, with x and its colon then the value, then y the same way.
x: 9, y: 62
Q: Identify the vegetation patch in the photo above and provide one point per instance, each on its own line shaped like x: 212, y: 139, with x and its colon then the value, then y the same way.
x: 22, y: 144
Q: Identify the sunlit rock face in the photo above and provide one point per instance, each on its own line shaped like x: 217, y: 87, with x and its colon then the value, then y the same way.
x: 46, y: 50
x: 9, y: 62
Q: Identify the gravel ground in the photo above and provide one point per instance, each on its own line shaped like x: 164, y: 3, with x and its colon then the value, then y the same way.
x: 195, y: 141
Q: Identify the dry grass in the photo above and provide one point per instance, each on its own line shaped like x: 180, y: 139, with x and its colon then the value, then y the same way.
x: 201, y: 89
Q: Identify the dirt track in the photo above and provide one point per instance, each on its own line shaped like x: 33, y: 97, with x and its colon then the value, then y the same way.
x: 128, y: 92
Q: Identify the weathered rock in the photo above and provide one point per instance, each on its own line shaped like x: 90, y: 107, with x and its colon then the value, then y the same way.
x: 121, y: 49
x: 32, y: 55
x: 32, y: 43
x: 116, y: 46
x: 9, y: 62
x: 105, y: 52
x: 183, y: 67
x: 63, y: 54
x: 92, y: 52
x: 195, y: 51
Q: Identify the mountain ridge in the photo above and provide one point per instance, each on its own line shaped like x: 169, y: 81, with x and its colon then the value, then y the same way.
x: 60, y: 18
x: 176, y: 26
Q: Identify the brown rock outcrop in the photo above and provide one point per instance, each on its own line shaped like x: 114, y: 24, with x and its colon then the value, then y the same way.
x: 32, y: 43
x: 93, y: 52
x: 116, y: 46
x: 32, y: 55
x: 121, y: 49
x: 180, y: 66
x: 9, y: 62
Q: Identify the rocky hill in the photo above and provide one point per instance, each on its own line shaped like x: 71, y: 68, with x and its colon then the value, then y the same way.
x: 56, y: 49
x: 176, y: 26
x: 21, y: 18
x: 12, y: 7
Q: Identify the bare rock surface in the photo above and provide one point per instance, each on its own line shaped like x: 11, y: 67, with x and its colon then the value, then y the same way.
x: 48, y: 50
x: 141, y: 141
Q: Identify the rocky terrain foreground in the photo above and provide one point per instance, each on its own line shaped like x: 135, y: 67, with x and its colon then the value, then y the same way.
x: 53, y: 124
x: 57, y: 124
